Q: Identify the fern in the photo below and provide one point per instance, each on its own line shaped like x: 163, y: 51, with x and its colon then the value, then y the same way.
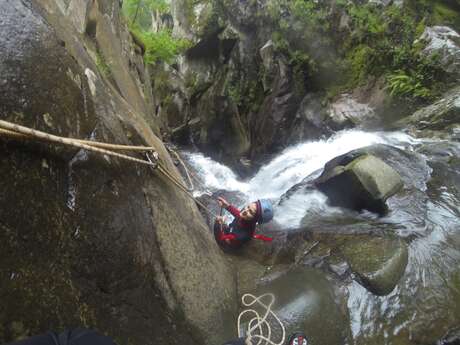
x: 401, y: 84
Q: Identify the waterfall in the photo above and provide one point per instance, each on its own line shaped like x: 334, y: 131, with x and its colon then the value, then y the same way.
x: 289, y: 168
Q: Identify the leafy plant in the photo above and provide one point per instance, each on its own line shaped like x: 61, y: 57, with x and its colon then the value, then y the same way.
x: 161, y: 46
x: 158, y: 46
x: 404, y: 85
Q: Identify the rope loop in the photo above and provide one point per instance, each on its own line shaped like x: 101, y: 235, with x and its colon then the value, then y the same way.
x: 257, y: 323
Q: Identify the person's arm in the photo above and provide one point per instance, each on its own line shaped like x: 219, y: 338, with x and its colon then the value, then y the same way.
x: 230, y: 208
x: 233, y: 210
x: 263, y: 238
x: 227, y: 237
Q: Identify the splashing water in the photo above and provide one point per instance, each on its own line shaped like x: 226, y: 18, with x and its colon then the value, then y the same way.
x: 289, y: 168
x: 214, y: 175
x: 296, y: 163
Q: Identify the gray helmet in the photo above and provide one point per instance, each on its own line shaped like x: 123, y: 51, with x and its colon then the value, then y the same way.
x: 266, y: 211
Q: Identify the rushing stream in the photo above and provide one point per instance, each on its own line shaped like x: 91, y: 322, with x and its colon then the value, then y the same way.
x: 425, y: 305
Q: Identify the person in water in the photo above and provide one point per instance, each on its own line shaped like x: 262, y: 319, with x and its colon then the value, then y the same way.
x: 243, y: 227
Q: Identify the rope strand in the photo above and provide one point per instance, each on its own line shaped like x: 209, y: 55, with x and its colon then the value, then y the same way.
x: 64, y: 141
x: 22, y: 132
x: 258, y: 322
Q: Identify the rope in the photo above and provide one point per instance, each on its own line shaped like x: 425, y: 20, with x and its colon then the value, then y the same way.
x: 87, y: 142
x: 17, y: 131
x: 185, y: 190
x: 257, y: 322
x: 190, y: 182
x: 32, y: 133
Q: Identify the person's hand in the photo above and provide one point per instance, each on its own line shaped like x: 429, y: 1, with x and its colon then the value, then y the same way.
x: 222, y: 202
x: 220, y: 219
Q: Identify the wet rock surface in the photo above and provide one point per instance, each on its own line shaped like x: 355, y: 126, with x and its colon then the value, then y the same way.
x: 89, y: 240
x: 306, y: 301
x: 379, y: 263
x: 437, y: 116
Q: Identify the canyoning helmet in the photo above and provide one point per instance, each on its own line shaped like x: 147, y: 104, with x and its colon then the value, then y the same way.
x: 266, y: 211
x: 298, y: 338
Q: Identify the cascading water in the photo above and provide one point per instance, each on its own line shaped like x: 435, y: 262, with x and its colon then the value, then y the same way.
x: 288, y: 169
x: 426, y: 302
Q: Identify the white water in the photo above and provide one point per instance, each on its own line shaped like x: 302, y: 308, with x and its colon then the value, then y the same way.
x: 289, y: 168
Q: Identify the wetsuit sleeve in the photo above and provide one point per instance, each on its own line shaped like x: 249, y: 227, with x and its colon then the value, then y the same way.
x: 263, y: 238
x: 233, y: 210
x: 227, y: 237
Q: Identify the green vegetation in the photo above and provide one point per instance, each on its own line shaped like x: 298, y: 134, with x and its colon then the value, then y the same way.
x: 376, y: 42
x: 140, y: 11
x: 159, y: 46
x: 102, y: 64
x: 402, y: 84
x: 384, y: 46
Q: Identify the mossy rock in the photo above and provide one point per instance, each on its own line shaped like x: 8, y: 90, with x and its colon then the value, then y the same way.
x: 379, y: 263
x: 437, y: 116
x: 359, y: 181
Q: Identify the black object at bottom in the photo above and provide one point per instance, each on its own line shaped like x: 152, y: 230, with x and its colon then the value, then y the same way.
x: 298, y: 338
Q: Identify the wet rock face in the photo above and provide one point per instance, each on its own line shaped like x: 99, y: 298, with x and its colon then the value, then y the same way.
x: 348, y: 112
x: 359, y: 181
x: 437, y: 116
x: 88, y: 240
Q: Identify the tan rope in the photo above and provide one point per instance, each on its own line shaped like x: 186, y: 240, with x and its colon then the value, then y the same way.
x: 17, y: 131
x: 65, y: 141
x: 190, y: 182
x: 184, y: 189
x: 87, y: 142
x: 256, y: 323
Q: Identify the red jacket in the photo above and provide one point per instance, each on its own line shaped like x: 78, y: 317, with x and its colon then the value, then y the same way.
x: 241, y: 230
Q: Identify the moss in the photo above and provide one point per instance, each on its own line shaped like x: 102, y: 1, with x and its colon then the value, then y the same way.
x: 360, y: 59
x: 102, y: 64
x: 303, y: 66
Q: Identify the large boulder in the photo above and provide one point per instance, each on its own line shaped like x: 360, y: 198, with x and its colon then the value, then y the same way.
x: 346, y: 111
x: 88, y: 240
x: 444, y: 43
x: 378, y: 263
x: 359, y: 181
